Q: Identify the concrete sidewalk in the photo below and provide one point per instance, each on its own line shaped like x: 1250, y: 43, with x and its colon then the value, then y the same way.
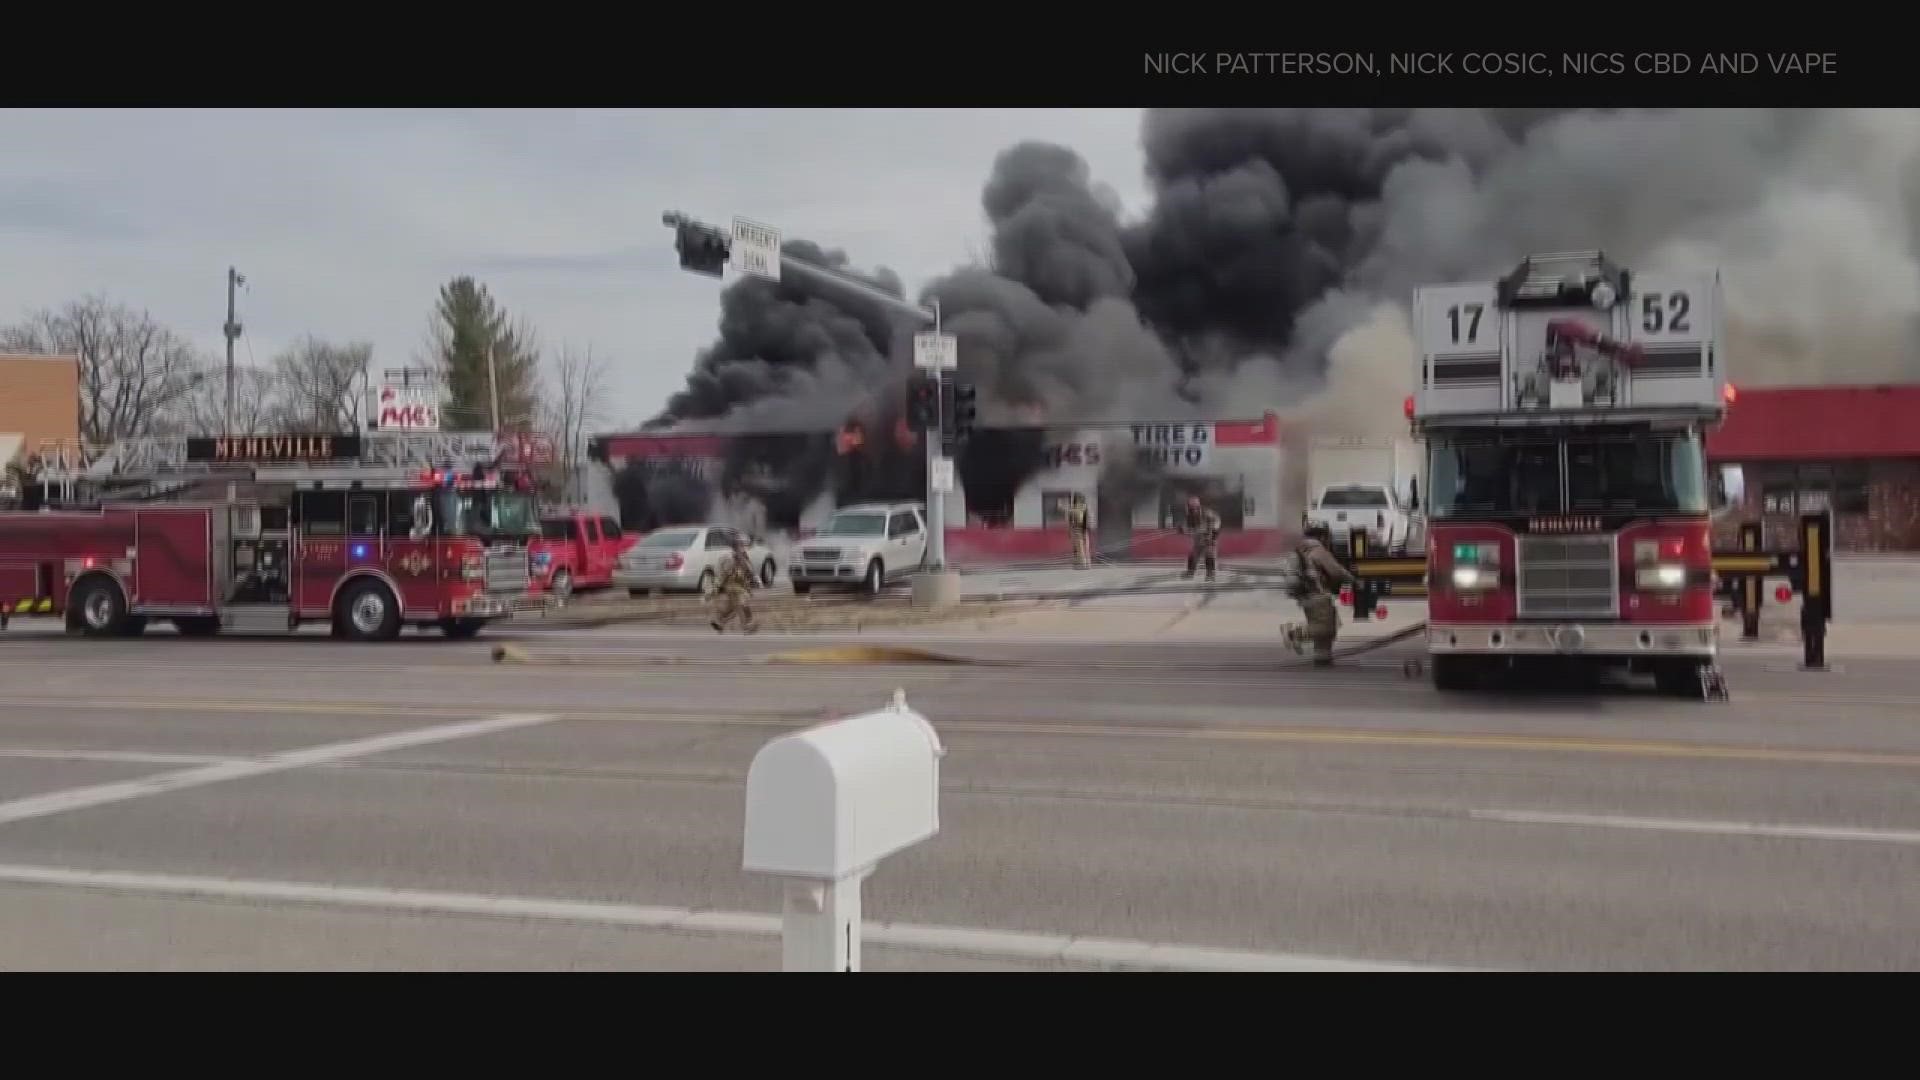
x: 1188, y: 624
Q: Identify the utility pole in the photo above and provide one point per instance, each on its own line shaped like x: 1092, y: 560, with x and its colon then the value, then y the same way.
x: 493, y: 386
x: 235, y: 279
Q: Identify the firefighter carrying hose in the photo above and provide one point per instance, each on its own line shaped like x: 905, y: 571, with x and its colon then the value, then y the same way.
x: 1317, y: 574
x: 736, y: 584
x: 1203, y: 526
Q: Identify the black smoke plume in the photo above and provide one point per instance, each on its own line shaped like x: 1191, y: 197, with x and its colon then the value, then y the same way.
x: 1282, y: 240
x: 651, y: 494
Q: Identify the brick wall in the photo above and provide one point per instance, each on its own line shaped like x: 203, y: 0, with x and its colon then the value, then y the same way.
x: 40, y: 398
x: 1891, y: 522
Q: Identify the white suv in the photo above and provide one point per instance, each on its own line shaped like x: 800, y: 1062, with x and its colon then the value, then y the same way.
x: 864, y: 546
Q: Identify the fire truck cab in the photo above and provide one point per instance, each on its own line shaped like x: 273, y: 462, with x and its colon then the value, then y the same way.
x: 1564, y: 409
x: 366, y: 533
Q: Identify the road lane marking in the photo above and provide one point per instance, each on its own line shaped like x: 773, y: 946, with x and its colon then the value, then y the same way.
x: 1702, y: 828
x: 1055, y: 948
x: 59, y: 802
x: 121, y: 757
x: 795, y: 718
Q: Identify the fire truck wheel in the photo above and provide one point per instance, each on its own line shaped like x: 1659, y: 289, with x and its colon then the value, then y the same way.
x: 367, y: 612
x: 562, y: 585
x: 98, y: 609
x: 1677, y: 678
x: 1453, y: 672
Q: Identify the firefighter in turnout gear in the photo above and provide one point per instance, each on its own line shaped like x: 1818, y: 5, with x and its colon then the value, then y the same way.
x: 1203, y: 525
x: 1080, y: 530
x: 1317, y: 575
x: 737, y: 582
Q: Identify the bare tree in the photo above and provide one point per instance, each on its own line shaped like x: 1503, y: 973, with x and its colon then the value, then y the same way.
x: 135, y: 375
x: 322, y: 386
x: 257, y: 405
x: 576, y: 383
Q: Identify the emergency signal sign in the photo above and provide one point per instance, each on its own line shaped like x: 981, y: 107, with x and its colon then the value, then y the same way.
x: 407, y: 408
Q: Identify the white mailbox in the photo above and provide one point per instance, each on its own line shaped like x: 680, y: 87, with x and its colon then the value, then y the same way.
x: 824, y: 806
x: 830, y: 801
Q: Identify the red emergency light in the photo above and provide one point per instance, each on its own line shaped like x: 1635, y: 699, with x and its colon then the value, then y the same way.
x: 1407, y: 406
x: 1783, y: 594
x: 1729, y: 393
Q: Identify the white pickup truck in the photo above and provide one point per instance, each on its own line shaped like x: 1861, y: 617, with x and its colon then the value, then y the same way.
x: 865, y: 547
x: 1366, y: 485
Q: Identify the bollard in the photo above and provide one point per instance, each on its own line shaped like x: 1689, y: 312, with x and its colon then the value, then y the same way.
x: 1750, y: 586
x: 1816, y: 588
x: 824, y: 807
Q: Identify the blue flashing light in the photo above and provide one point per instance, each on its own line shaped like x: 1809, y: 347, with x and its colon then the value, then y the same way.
x: 359, y: 551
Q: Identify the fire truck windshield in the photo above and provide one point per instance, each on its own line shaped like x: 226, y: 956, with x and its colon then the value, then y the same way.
x: 1662, y: 472
x: 489, y: 514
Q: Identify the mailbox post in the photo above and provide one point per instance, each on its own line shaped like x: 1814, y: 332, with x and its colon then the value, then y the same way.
x: 824, y: 806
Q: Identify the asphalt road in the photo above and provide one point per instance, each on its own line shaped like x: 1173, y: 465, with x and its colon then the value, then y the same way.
x: 301, y: 803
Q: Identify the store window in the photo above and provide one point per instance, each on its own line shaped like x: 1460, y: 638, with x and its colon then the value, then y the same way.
x: 1814, y: 487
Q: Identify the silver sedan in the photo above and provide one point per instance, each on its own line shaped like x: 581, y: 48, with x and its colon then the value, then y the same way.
x: 687, y: 558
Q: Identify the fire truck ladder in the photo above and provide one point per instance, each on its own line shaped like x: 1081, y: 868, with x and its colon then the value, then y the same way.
x: 385, y: 456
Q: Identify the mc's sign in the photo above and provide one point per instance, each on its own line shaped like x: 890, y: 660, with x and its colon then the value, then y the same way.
x: 407, y: 408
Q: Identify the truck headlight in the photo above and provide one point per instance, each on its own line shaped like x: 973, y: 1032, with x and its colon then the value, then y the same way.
x: 1472, y: 577
x: 1662, y: 576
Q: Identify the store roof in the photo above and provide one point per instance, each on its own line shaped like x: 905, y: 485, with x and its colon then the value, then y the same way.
x: 1812, y: 423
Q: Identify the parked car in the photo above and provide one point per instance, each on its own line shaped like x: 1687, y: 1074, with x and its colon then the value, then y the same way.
x: 687, y: 557
x: 576, y: 550
x: 865, y: 547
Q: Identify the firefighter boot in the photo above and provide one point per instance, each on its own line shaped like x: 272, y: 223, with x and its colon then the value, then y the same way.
x: 1323, y: 652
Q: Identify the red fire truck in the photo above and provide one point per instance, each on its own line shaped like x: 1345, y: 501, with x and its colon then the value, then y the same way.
x: 1564, y: 409
x: 366, y: 533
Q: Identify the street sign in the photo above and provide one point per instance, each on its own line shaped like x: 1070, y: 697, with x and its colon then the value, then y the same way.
x: 942, y: 475
x: 931, y: 350
x: 756, y: 249
x: 407, y: 408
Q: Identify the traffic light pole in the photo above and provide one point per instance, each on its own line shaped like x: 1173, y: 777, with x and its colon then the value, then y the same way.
x: 936, y: 500
x: 940, y: 588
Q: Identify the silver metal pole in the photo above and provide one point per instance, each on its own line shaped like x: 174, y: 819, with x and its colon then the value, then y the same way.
x: 936, y: 500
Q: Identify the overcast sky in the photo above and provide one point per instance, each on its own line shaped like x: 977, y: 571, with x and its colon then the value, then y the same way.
x: 345, y: 223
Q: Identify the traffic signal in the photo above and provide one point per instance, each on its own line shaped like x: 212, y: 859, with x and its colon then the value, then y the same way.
x: 923, y: 404
x: 963, y: 411
x: 702, y: 250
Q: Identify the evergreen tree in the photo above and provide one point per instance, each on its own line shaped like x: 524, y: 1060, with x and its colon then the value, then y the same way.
x: 467, y: 322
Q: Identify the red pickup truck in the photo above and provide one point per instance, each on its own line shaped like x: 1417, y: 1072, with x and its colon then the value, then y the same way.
x: 576, y: 550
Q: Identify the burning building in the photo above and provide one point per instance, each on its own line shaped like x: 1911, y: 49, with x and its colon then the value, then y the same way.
x: 1136, y: 478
